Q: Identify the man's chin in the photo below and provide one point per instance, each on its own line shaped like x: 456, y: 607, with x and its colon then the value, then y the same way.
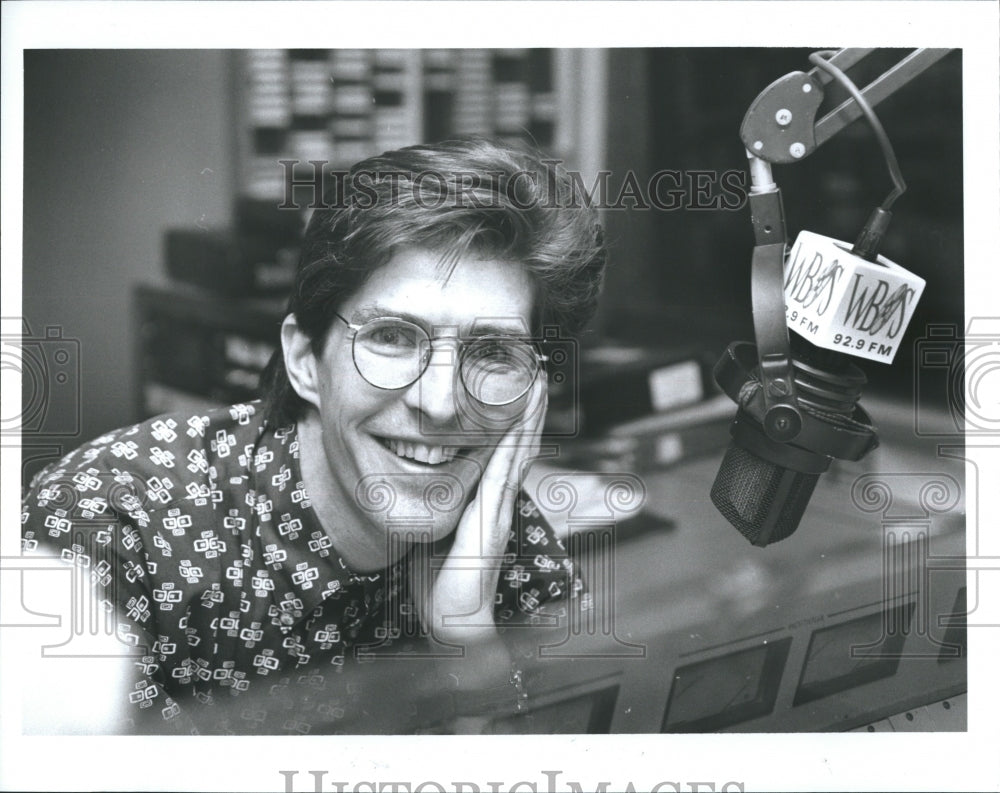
x: 412, y: 500
x: 425, y: 534
x: 416, y: 503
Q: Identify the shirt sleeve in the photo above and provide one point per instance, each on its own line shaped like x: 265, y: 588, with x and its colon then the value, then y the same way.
x: 538, y: 578
x: 89, y: 517
x: 86, y: 516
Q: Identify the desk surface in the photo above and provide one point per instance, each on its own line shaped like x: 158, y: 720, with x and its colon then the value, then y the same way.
x: 879, y: 552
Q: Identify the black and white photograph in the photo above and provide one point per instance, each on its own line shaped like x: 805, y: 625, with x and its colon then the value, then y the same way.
x: 499, y: 396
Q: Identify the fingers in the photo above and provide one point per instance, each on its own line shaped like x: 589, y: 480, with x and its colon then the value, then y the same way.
x: 519, y: 446
x: 485, y: 526
x: 538, y: 410
x: 468, y: 578
x: 533, y: 417
x: 497, y: 493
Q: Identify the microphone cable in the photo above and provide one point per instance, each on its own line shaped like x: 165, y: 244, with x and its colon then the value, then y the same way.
x: 869, y: 241
x: 820, y: 59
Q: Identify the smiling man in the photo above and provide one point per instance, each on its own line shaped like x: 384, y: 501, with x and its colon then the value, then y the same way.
x: 371, y: 503
x: 383, y: 397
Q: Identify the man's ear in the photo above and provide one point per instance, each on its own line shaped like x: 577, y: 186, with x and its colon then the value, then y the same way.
x: 300, y: 360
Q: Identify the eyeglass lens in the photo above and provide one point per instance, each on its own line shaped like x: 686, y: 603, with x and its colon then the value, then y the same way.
x: 495, y: 370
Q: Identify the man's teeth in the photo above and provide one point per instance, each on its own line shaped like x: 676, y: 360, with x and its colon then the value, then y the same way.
x: 420, y: 452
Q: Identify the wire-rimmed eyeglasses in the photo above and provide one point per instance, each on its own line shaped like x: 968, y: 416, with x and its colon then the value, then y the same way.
x: 392, y: 353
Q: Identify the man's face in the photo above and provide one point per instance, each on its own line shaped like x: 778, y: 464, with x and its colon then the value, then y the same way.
x: 408, y: 458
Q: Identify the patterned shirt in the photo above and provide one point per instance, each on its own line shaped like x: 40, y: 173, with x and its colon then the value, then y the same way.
x: 199, y: 532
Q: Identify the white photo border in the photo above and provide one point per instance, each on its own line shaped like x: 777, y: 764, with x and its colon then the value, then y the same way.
x: 939, y: 761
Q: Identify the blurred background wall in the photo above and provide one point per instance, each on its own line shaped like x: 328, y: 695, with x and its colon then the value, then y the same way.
x: 118, y: 145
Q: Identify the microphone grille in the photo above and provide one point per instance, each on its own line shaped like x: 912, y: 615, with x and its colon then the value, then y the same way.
x: 764, y: 501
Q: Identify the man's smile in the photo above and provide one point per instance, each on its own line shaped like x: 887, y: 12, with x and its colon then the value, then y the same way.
x: 419, y: 452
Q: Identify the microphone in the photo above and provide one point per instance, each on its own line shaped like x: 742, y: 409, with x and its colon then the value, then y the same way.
x: 797, y: 393
x: 763, y: 486
x: 835, y: 303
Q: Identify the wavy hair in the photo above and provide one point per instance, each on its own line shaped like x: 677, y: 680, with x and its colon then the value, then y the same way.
x: 469, y: 196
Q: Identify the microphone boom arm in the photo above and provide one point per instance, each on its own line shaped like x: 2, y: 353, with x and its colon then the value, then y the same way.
x: 780, y: 127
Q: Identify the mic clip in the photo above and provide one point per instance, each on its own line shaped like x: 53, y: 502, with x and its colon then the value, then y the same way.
x: 782, y: 419
x: 827, y: 418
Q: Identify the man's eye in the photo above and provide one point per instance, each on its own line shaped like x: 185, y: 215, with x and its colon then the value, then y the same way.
x: 387, y: 336
x: 501, y: 354
x: 392, y: 336
x: 498, y: 353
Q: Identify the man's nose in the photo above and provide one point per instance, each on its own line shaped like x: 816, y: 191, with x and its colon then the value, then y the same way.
x: 433, y: 394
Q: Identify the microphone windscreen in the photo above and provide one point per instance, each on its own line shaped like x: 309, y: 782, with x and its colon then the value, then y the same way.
x: 764, y: 501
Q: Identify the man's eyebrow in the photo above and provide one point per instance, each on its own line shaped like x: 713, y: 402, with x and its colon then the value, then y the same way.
x: 485, y: 326
x: 498, y: 326
x: 376, y: 311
